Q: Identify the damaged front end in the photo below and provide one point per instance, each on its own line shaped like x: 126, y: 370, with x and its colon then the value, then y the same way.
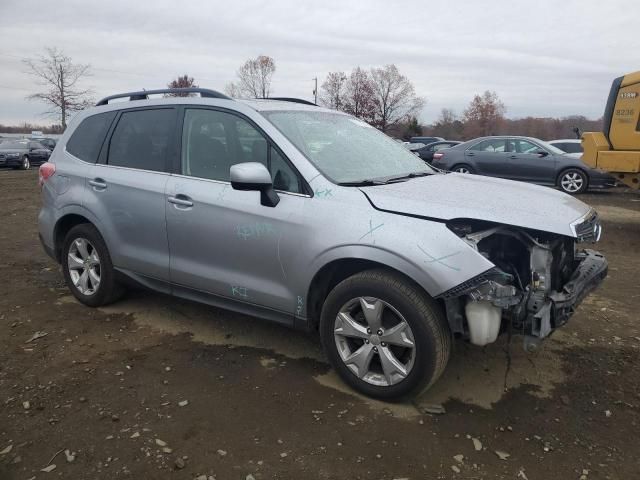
x: 537, y: 282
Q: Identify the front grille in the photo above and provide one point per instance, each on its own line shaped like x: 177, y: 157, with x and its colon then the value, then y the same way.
x: 589, y: 230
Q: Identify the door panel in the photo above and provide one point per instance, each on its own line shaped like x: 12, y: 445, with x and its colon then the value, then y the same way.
x: 529, y: 166
x: 489, y: 157
x: 230, y: 245
x: 131, y: 205
x: 223, y: 241
x: 126, y: 190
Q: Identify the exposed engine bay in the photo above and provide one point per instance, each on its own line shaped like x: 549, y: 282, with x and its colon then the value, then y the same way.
x: 537, y: 282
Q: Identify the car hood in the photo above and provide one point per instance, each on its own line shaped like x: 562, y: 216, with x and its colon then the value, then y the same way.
x: 453, y: 195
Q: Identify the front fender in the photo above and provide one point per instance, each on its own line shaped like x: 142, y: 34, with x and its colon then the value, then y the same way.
x: 427, y: 252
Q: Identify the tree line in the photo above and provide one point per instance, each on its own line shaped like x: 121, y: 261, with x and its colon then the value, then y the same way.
x: 381, y: 96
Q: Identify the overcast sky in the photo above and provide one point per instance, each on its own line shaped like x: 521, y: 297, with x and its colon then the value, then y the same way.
x: 543, y: 58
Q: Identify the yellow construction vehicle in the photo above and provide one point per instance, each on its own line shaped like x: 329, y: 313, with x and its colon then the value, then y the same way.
x: 617, y: 148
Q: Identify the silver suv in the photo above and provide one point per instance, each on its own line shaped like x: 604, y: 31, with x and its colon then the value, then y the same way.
x: 311, y: 218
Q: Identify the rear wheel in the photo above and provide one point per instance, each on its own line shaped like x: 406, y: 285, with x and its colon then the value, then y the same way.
x: 383, y: 335
x: 573, y: 181
x: 87, y: 267
x: 463, y: 168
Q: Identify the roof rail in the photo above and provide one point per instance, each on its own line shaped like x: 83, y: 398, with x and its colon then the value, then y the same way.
x: 291, y: 99
x: 144, y: 94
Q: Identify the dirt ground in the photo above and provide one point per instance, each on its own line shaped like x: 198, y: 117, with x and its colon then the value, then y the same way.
x: 153, y: 388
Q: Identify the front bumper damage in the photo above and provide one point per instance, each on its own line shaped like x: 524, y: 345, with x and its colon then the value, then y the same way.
x: 590, y: 273
x: 527, y: 296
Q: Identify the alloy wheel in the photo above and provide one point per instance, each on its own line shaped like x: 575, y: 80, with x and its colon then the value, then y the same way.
x: 25, y: 163
x: 374, y: 341
x: 84, y: 266
x: 572, y: 182
x: 462, y: 170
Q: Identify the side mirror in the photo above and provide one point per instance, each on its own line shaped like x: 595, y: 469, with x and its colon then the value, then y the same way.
x: 254, y: 176
x: 542, y: 153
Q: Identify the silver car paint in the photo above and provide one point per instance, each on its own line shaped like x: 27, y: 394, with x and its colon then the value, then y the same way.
x: 231, y: 251
x: 457, y: 195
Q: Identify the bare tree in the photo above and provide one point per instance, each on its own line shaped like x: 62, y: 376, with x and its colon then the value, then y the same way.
x: 448, y: 125
x: 185, y: 81
x: 333, y: 90
x: 232, y: 90
x: 359, y: 100
x: 484, y: 115
x: 254, y: 77
x: 394, y: 97
x: 59, y: 77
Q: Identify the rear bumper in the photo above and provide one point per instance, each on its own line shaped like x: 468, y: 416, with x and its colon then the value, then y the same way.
x: 48, y: 250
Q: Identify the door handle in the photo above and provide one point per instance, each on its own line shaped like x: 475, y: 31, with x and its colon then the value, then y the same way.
x: 470, y: 154
x: 98, y: 184
x: 513, y: 156
x: 181, y: 200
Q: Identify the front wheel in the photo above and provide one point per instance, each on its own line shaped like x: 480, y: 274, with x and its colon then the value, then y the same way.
x: 573, y: 181
x: 26, y: 164
x: 383, y: 335
x: 87, y: 267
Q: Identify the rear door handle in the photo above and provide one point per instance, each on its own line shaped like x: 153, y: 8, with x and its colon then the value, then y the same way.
x: 513, y: 156
x: 98, y: 184
x: 181, y: 200
x: 470, y: 154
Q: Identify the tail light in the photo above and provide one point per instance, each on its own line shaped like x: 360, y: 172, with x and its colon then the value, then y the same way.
x: 45, y: 172
x: 438, y: 156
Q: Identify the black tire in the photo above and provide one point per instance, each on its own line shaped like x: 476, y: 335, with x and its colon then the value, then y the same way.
x: 432, y: 337
x: 109, y: 290
x: 576, y: 173
x: 25, y: 164
x: 459, y: 166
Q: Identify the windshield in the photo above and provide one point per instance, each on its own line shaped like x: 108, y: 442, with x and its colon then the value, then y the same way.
x: 344, y: 148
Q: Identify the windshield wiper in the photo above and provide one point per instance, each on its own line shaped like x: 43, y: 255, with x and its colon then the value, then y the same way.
x: 384, y: 180
x: 408, y: 175
x: 362, y: 183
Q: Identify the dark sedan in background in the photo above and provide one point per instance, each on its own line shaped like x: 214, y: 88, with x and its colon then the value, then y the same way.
x: 522, y: 158
x: 425, y: 140
x: 22, y: 153
x: 426, y: 152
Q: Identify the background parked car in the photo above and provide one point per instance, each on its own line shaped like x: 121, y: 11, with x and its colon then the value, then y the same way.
x: 426, y: 152
x: 23, y: 153
x: 49, y: 143
x: 425, y: 140
x: 572, y: 146
x: 413, y: 147
x: 522, y: 158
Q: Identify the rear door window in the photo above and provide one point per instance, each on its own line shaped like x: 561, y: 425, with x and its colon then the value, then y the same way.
x: 87, y: 139
x: 142, y: 139
x: 494, y: 145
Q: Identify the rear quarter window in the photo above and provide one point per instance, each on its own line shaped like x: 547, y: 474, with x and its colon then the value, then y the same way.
x: 86, y: 141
